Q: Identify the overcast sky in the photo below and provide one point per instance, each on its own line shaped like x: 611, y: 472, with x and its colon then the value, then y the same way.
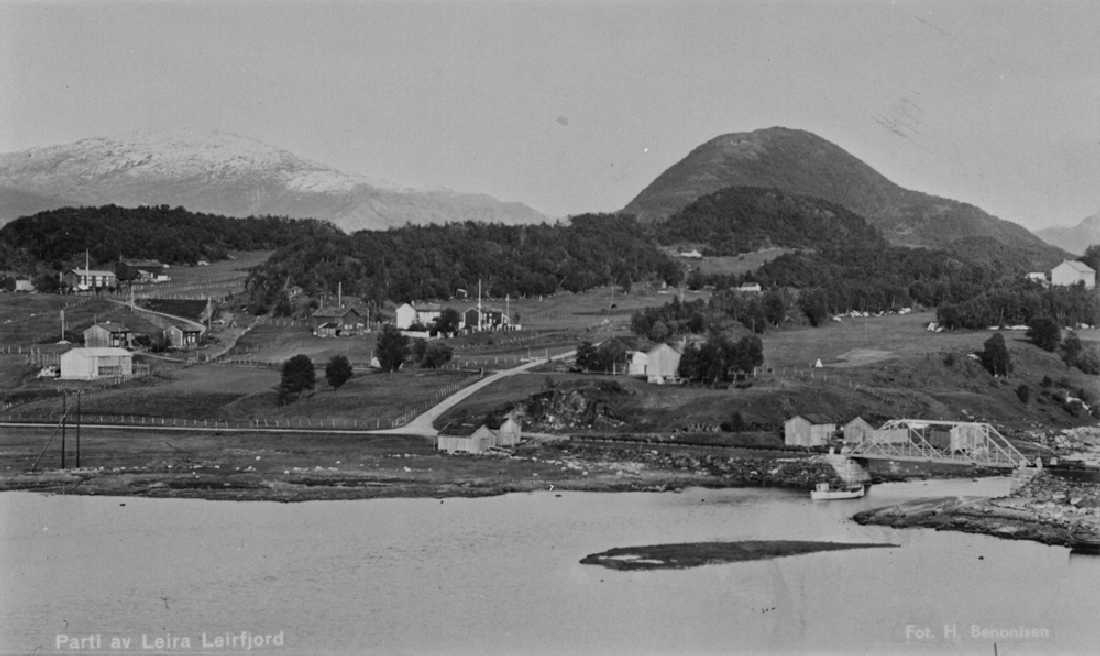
x: 576, y: 106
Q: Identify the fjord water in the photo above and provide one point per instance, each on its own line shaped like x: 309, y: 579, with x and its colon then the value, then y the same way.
x: 501, y: 575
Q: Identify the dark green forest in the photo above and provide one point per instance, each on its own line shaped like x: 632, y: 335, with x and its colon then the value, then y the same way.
x: 57, y: 238
x: 745, y: 219
x: 434, y: 261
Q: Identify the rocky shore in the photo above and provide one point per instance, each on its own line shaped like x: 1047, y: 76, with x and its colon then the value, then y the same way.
x: 287, y: 477
x: 1051, y: 508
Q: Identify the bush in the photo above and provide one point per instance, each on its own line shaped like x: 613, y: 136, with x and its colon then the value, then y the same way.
x: 1089, y: 362
x: 436, y: 355
x: 1023, y: 392
x: 1046, y: 382
x: 949, y: 359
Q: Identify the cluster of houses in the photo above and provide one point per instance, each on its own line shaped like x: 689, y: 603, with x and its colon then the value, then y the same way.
x: 473, y: 319
x: 1066, y: 274
x: 484, y: 439
x: 107, y: 353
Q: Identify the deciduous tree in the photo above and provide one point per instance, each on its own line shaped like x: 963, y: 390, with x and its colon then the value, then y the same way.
x: 337, y: 371
x: 297, y: 376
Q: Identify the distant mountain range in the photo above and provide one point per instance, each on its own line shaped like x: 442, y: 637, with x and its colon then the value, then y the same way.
x: 226, y: 174
x: 1074, y: 239
x: 800, y: 162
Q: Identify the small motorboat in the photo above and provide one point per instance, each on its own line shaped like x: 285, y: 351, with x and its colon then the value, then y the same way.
x: 1084, y: 539
x: 825, y: 492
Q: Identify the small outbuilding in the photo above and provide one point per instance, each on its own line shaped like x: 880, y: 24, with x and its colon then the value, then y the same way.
x: 108, y: 333
x: 335, y: 321
x: 89, y: 363
x: 808, y: 430
x: 857, y: 430
x: 183, y: 338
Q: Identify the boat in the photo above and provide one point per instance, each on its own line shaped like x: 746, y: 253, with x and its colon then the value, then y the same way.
x: 824, y: 492
x: 1084, y: 539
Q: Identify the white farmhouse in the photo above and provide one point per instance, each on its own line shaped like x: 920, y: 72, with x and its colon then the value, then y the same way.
x: 1071, y: 272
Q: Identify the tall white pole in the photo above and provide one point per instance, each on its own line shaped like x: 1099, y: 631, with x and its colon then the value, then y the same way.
x: 479, y: 305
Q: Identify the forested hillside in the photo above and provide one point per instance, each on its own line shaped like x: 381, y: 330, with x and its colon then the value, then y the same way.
x: 433, y: 261
x: 171, y: 235
x: 744, y: 219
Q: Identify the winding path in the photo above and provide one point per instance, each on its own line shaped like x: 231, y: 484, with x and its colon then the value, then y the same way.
x: 423, y: 424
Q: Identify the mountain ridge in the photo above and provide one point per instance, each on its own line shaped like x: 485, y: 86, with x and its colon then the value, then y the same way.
x: 1076, y: 238
x: 801, y: 162
x: 227, y: 174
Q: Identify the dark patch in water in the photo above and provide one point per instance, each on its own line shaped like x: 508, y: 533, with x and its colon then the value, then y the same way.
x: 693, y: 554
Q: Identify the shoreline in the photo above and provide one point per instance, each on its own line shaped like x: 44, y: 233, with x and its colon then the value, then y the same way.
x: 337, y: 486
x: 1049, y: 509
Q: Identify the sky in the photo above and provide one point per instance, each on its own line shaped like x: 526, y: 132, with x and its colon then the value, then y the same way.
x: 575, y: 106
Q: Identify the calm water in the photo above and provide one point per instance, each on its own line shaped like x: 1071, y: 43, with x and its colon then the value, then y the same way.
x: 500, y: 576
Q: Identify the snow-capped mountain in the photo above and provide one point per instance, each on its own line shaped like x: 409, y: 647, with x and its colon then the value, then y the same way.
x: 227, y: 174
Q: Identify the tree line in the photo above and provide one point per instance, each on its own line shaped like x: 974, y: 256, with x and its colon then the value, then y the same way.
x: 57, y: 239
x: 436, y: 261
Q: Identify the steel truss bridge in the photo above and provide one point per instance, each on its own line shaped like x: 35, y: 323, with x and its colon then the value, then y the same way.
x: 928, y: 440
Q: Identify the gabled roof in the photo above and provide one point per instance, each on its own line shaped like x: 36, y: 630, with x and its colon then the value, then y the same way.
x: 99, y: 351
x: 111, y: 327
x: 1078, y: 266
x: 858, y: 421
x: 427, y: 307
x: 333, y: 311
x: 93, y: 272
x: 814, y: 418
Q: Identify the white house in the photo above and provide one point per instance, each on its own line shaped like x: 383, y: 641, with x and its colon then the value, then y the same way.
x: 86, y: 279
x: 407, y: 314
x: 89, y: 363
x: 24, y: 285
x: 810, y: 430
x: 750, y: 288
x: 1071, y: 272
x: 638, y: 362
x: 662, y: 365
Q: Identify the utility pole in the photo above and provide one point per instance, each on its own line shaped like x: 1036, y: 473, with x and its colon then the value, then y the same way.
x: 64, y: 418
x: 479, y: 305
x: 78, y: 422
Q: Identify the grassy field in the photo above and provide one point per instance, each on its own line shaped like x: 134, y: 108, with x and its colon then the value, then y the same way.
x: 219, y: 279
x: 738, y: 264
x: 866, y: 340
x: 34, y: 318
x: 591, y: 310
x: 241, y: 394
x: 275, y: 341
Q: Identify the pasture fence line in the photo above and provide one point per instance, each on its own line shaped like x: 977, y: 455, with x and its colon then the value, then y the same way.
x: 283, y: 423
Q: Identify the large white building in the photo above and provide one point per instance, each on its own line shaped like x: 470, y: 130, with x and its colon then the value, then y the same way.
x: 1071, y: 272
x: 94, y: 362
x: 407, y: 314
